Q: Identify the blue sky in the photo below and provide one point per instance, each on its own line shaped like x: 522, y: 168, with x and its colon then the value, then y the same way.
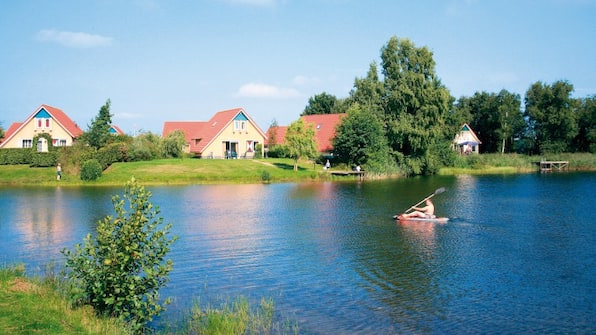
x: 159, y: 60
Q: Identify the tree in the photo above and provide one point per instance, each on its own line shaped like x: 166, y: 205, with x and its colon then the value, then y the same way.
x: 300, y: 141
x: 585, y: 140
x: 369, y: 92
x: 172, y: 146
x: 323, y: 103
x: 550, y: 111
x: 510, y: 118
x: 496, y: 118
x: 99, y: 131
x: 360, y: 139
x: 121, y: 268
x: 416, y: 102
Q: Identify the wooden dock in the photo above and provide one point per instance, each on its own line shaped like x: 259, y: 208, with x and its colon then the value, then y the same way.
x: 547, y: 166
x: 360, y: 174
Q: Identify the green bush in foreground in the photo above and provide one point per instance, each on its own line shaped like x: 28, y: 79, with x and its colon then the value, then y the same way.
x: 90, y: 170
x: 120, y: 270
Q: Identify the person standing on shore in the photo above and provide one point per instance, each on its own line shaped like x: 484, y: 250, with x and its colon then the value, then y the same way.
x: 58, y: 172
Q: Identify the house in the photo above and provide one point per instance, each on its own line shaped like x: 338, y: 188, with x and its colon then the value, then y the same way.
x: 228, y: 134
x: 323, y: 124
x: 115, y: 130
x: 466, y: 141
x: 44, y: 120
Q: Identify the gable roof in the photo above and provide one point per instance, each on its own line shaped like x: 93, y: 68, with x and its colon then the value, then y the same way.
x: 219, y: 122
x: 55, y: 113
x: 466, y: 136
x: 200, y: 134
x: 114, y: 129
x: 189, y: 128
x: 278, y: 133
x: 323, y: 124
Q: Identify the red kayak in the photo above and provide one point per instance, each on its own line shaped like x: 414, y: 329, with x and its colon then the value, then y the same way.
x: 435, y: 219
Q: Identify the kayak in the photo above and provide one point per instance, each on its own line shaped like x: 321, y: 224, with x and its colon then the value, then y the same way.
x: 436, y: 219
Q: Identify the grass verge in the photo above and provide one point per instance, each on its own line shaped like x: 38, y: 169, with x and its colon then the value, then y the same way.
x: 35, y: 306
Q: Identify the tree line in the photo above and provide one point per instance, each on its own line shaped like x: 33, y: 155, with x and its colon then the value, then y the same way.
x: 401, y: 117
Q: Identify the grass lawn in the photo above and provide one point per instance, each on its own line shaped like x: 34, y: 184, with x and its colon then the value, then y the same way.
x: 30, y: 306
x: 174, y: 171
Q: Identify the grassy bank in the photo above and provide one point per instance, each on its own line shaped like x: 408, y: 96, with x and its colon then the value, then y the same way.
x: 514, y: 163
x: 39, y: 306
x: 35, y: 306
x: 174, y: 171
x: 211, y: 171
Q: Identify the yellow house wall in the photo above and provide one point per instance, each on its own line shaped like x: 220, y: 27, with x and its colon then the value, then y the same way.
x: 30, y: 130
x: 229, y: 134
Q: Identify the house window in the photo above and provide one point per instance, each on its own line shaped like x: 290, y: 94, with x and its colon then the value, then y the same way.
x: 27, y: 143
x: 43, y: 123
x: 58, y: 143
x: 239, y: 125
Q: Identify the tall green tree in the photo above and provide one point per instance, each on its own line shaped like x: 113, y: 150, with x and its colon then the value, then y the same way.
x: 496, y: 118
x: 120, y: 269
x: 360, y: 140
x: 300, y: 141
x: 416, y: 102
x: 98, y: 132
x: 550, y: 111
x: 585, y: 140
x: 369, y: 92
x: 323, y: 103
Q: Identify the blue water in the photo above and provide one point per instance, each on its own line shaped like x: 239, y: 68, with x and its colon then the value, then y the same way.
x: 516, y: 257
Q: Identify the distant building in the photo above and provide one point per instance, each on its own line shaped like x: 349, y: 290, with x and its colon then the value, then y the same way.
x: 465, y: 141
x: 323, y: 124
x: 228, y: 134
x: 45, y: 119
x: 114, y: 130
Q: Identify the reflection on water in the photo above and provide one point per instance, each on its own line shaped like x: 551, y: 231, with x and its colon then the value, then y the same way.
x: 514, y: 258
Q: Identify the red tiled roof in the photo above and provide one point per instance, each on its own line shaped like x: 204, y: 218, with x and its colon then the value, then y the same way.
x: 324, y: 126
x: 200, y: 134
x: 190, y: 129
x: 57, y: 115
x: 117, y: 129
x: 280, y: 134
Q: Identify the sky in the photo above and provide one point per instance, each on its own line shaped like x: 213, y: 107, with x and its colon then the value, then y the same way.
x: 185, y: 60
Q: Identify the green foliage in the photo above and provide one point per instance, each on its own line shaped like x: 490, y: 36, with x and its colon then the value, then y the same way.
x: 14, y: 156
x: 585, y: 140
x: 43, y: 159
x: 323, y: 103
x: 120, y: 270
x: 360, y: 140
x: 266, y: 176
x: 173, y: 145
x: 496, y: 119
x: 91, y: 170
x: 99, y: 131
x: 145, y: 147
x: 300, y: 141
x: 551, y: 116
x: 237, y: 317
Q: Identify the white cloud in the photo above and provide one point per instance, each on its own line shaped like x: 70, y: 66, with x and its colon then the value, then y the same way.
x: 257, y: 90
x: 74, y: 40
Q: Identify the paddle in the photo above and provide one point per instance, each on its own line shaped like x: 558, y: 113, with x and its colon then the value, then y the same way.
x: 437, y: 191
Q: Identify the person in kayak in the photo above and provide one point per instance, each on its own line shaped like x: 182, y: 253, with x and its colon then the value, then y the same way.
x: 426, y: 212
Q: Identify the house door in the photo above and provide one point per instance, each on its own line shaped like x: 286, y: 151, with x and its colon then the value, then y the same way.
x: 231, y: 149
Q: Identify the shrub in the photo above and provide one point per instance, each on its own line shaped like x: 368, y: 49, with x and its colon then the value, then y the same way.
x: 90, y: 170
x: 120, y: 269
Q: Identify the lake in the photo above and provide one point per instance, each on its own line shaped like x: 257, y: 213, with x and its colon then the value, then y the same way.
x: 517, y: 255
